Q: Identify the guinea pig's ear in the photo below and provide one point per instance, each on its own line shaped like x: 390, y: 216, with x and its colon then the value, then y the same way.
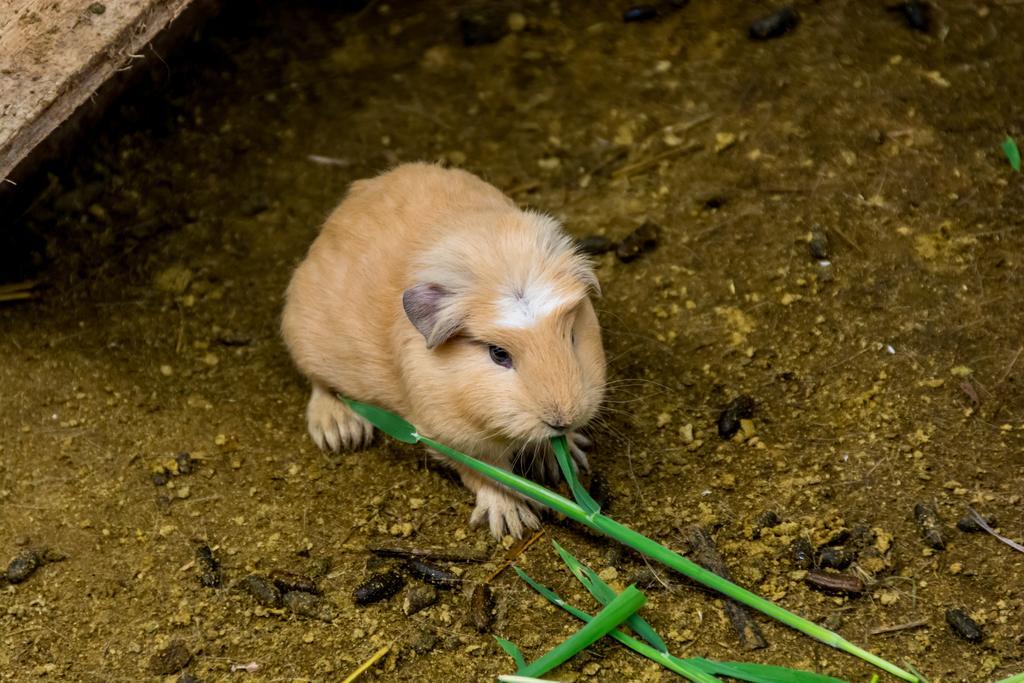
x: 429, y: 308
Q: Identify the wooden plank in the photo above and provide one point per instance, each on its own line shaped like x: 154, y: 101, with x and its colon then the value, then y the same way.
x: 55, y: 54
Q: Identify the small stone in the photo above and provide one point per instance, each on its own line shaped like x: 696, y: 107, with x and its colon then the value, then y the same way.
x: 595, y: 245
x: 97, y: 8
x: 516, y: 22
x: 166, y: 370
x: 173, y: 280
x: 263, y: 589
x: 418, y: 598
x: 608, y: 574
x: 639, y: 13
x: 642, y: 240
x: 159, y: 478
x: 23, y: 565
x: 963, y: 626
x: 740, y: 408
x: 818, y: 246
x: 481, y: 608
x: 306, y: 605
x: 777, y: 23
x: 171, y: 659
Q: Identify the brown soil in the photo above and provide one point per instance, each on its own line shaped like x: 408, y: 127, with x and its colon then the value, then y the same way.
x: 888, y: 378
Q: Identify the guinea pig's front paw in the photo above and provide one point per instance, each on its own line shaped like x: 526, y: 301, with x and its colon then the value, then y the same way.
x: 333, y: 425
x: 503, y: 512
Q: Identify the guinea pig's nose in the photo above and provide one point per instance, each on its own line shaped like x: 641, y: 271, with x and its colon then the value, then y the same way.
x: 558, y: 427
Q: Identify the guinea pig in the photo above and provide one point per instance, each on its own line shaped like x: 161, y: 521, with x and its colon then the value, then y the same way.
x: 429, y: 293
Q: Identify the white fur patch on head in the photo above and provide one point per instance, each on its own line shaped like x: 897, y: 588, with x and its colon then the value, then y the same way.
x: 522, y: 308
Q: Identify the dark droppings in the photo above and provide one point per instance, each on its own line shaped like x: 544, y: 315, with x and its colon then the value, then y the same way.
x: 834, y: 584
x: 481, y: 608
x: 917, y: 15
x: 209, y: 568
x: 818, y: 246
x: 378, y: 587
x: 963, y: 626
x: 640, y: 13
x: 969, y: 525
x: 778, y: 23
x: 431, y: 573
x: 642, y: 240
x: 263, y: 589
x: 802, y: 554
x: 740, y: 408
x: 23, y: 565
x: 290, y: 581
x: 170, y: 659
x: 834, y: 558
x: 927, y: 518
x: 185, y: 463
x: 595, y: 245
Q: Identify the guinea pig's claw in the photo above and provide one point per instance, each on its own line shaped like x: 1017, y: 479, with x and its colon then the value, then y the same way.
x: 577, y: 442
x: 333, y: 425
x: 503, y: 513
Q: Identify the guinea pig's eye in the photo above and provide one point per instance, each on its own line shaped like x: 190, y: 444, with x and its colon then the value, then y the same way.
x: 500, y: 356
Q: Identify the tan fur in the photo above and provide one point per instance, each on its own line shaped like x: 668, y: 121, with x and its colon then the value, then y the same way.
x: 347, y: 331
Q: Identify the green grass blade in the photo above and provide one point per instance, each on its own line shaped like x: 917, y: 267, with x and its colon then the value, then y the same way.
x: 638, y: 542
x: 604, y: 594
x: 671, y: 663
x: 582, y: 496
x: 512, y: 678
x: 1017, y: 678
x: 607, y: 620
x: 1012, y: 153
x: 512, y: 651
x: 389, y: 423
x: 759, y: 673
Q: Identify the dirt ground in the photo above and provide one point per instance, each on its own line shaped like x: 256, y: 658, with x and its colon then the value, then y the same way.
x: 886, y: 370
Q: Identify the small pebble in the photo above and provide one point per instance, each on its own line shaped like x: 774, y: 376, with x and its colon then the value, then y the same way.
x: 639, y: 13
x: 378, y: 587
x: 481, y: 608
x: 819, y: 247
x: 418, y: 598
x: 23, y: 565
x: 595, y: 245
x: 834, y: 558
x: 209, y: 568
x: 834, y: 584
x: 171, y: 659
x: 289, y: 581
x: 97, y: 8
x: 263, y: 589
x: 159, y: 478
x: 431, y: 573
x: 306, y: 605
x: 963, y: 626
x: 969, y: 525
x: 802, y: 554
x: 638, y: 242
x: 777, y: 23
x: 740, y: 408
x: 927, y: 518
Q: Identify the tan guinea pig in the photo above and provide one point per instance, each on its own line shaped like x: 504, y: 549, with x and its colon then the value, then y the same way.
x: 430, y: 294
